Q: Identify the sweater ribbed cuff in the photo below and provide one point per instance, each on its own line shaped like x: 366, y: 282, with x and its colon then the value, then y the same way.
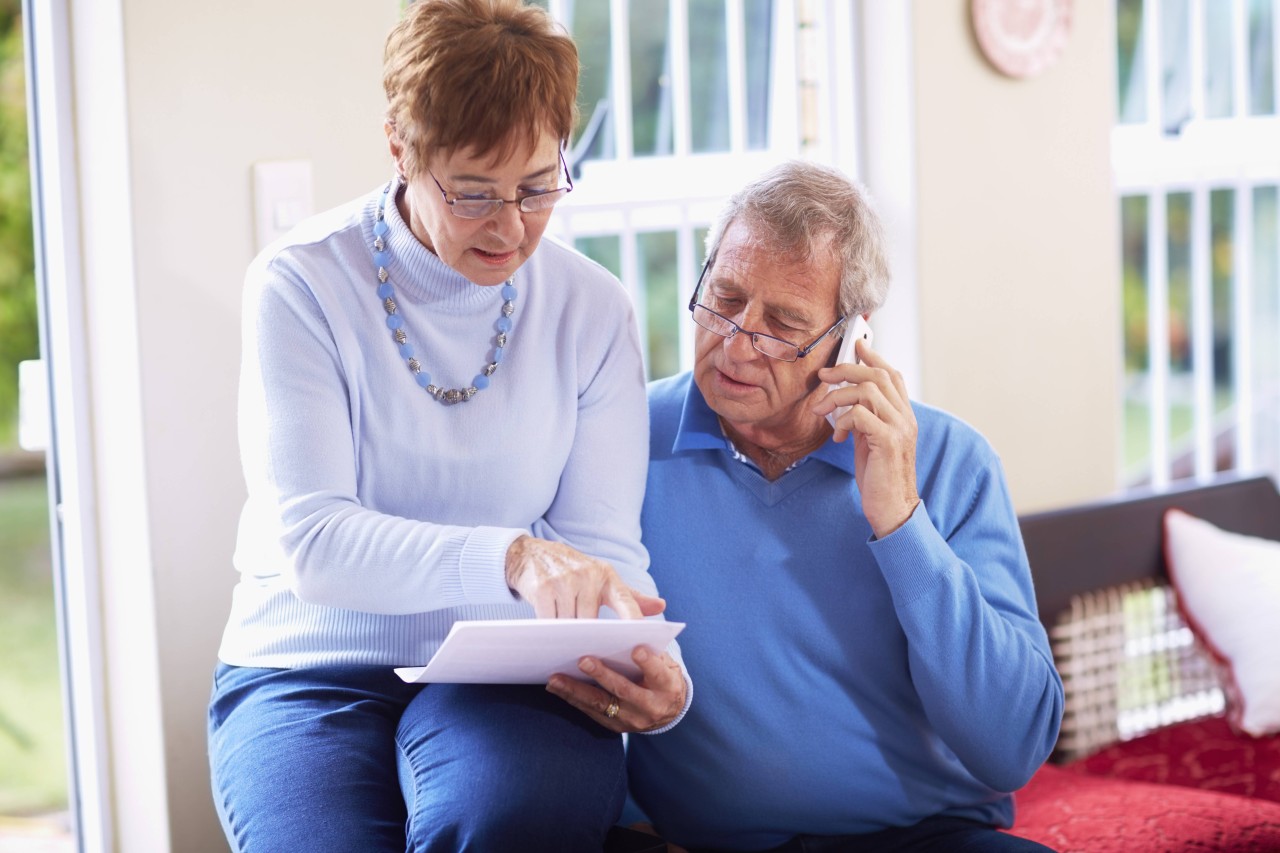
x: 482, y: 565
x: 911, y: 557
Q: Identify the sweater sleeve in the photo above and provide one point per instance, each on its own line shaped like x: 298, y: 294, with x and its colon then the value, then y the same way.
x: 597, y: 507
x: 978, y: 655
x: 303, y: 519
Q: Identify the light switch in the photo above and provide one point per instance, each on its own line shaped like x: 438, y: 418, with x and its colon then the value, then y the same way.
x: 282, y: 197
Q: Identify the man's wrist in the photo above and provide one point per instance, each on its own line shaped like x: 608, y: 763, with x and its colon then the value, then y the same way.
x: 883, y: 529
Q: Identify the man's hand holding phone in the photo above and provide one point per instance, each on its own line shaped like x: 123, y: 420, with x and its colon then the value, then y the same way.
x: 867, y: 398
x: 859, y: 330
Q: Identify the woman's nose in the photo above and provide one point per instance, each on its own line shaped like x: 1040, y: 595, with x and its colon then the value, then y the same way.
x: 508, y: 223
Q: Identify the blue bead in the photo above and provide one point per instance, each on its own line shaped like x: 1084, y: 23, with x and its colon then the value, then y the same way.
x: 381, y: 228
x: 394, y: 321
x: 481, y: 382
x: 385, y: 290
x: 504, y: 324
x: 424, y: 379
x: 509, y: 292
x: 406, y: 350
x: 382, y: 259
x: 497, y: 355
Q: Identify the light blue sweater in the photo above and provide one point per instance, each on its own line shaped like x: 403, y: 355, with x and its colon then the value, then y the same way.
x: 845, y: 684
x: 377, y: 516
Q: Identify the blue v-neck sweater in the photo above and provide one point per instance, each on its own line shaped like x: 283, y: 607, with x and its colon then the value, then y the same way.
x: 845, y: 684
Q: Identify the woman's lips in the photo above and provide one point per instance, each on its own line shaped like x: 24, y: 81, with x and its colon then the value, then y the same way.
x: 496, y: 259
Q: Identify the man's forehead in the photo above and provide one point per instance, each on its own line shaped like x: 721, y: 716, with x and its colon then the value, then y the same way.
x: 747, y: 263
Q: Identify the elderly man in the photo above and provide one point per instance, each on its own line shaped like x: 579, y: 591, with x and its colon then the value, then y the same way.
x: 871, y: 671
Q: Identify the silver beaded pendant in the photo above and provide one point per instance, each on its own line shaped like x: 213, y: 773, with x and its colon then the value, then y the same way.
x: 382, y: 258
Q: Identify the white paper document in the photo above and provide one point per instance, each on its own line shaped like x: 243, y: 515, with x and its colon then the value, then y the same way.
x: 529, y: 651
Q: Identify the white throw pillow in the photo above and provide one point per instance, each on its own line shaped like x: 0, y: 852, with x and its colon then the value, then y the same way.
x: 1229, y: 588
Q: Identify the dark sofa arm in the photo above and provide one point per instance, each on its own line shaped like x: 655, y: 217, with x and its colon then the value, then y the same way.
x: 1103, y: 544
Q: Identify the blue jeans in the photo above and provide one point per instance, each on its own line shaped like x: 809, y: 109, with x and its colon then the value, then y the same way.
x: 350, y: 758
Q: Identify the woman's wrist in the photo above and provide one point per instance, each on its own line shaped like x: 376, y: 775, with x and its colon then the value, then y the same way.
x: 515, y: 560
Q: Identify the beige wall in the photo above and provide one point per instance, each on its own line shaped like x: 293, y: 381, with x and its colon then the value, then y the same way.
x: 1017, y: 235
x: 1018, y: 277
x: 213, y: 88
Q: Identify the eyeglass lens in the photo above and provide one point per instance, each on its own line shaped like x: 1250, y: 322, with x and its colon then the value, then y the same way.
x: 770, y: 346
x: 480, y: 208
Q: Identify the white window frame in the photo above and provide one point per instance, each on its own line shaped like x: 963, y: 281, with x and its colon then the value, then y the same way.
x: 1236, y: 153
x: 79, y: 164
x: 816, y: 45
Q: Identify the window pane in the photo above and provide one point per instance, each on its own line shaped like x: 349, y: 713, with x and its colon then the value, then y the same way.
x: 650, y: 79
x: 1181, y: 391
x: 33, y: 769
x: 590, y: 27
x: 1262, y: 81
x: 605, y: 250
x: 1175, y: 64
x: 708, y: 76
x: 1132, y: 100
x: 1137, y: 407
x: 1266, y: 330
x: 37, y: 811
x: 1221, y: 237
x: 758, y: 24
x: 1217, y: 61
x: 1133, y: 224
x: 662, y: 304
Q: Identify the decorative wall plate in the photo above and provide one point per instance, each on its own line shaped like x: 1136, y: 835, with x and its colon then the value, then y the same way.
x: 1021, y: 38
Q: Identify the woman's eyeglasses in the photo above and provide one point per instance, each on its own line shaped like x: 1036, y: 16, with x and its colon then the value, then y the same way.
x: 482, y: 208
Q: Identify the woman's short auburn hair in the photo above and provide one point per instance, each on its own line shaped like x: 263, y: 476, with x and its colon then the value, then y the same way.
x: 486, y: 76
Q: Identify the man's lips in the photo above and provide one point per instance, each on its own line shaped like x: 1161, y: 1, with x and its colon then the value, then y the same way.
x: 734, y: 383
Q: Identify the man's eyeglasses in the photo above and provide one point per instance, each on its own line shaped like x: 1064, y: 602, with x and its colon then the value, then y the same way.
x: 764, y: 344
x: 482, y: 208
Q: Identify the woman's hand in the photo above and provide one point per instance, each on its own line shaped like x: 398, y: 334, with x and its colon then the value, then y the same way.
x: 563, y: 583
x: 651, y: 704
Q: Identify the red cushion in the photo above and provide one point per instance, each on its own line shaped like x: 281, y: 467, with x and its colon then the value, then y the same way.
x: 1072, y: 812
x: 1201, y: 754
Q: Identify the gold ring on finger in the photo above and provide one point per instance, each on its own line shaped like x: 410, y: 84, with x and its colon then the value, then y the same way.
x: 612, y: 710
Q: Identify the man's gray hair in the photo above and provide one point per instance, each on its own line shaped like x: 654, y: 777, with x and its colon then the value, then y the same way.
x: 803, y: 209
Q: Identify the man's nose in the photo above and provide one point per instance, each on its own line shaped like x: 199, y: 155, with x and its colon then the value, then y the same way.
x: 738, y: 346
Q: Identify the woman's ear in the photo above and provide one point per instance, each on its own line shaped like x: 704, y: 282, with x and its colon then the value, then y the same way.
x: 395, y: 145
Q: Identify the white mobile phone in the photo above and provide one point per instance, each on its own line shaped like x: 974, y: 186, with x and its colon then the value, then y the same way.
x: 859, y: 330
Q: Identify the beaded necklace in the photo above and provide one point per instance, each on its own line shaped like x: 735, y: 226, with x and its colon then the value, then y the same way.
x: 382, y: 258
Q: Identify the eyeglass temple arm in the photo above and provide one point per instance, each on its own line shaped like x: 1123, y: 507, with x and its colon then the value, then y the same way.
x: 706, y: 265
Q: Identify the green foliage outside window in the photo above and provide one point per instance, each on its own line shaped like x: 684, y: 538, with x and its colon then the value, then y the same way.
x: 18, y: 326
x: 1131, y: 100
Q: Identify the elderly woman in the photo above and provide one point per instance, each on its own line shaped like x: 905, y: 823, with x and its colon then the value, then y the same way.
x: 442, y: 417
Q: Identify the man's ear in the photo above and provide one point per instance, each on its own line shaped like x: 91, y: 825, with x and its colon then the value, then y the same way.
x: 835, y: 351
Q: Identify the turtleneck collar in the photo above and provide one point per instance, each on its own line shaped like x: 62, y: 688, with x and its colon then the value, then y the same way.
x: 414, y: 269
